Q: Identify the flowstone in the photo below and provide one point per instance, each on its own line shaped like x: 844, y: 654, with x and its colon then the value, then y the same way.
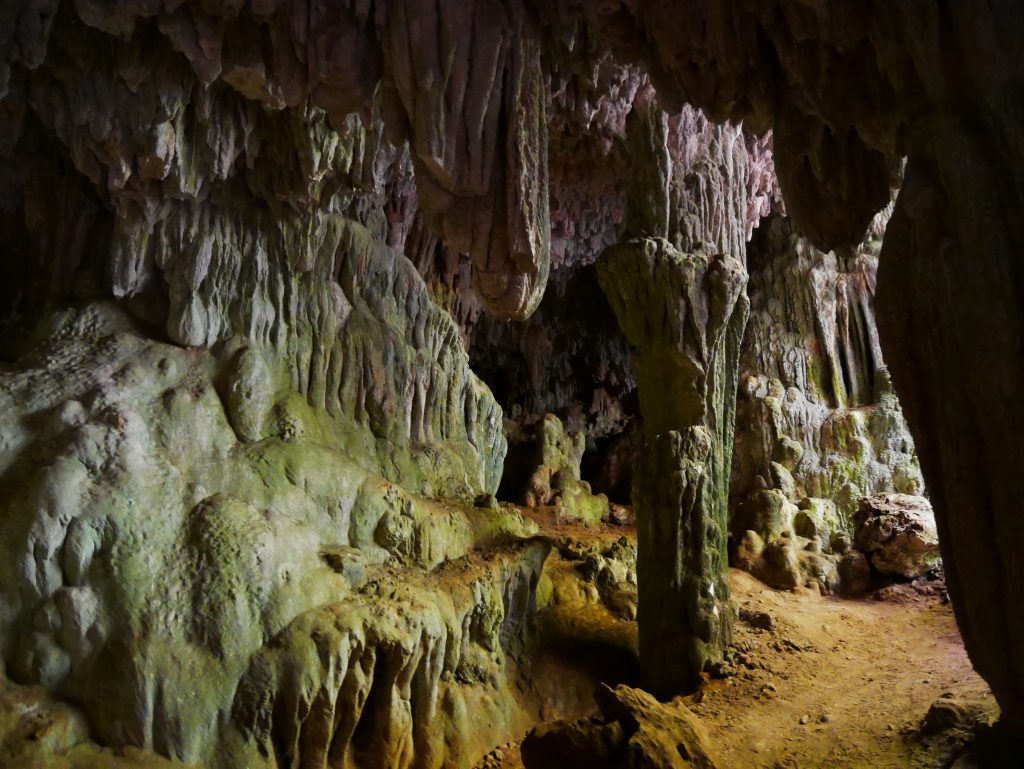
x: 152, y: 557
x: 684, y: 316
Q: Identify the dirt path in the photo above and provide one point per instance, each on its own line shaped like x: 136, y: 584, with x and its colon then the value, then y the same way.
x: 836, y: 684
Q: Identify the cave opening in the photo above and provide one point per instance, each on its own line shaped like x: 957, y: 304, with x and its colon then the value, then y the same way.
x: 511, y: 385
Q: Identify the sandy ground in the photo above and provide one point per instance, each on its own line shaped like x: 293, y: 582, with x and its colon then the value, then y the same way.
x: 825, y: 682
x: 838, y: 683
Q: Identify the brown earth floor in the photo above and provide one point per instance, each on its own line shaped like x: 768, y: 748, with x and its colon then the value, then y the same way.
x: 831, y: 683
x: 839, y: 683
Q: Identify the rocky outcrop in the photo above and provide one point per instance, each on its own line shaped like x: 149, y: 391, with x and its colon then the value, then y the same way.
x: 816, y: 408
x: 636, y: 731
x: 711, y: 183
x: 898, y: 533
x: 818, y: 423
x: 467, y: 87
x: 544, y: 469
x: 36, y: 730
x: 588, y: 597
x: 420, y: 685
x: 684, y: 315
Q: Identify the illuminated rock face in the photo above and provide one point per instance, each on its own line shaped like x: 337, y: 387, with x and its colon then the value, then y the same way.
x: 248, y: 191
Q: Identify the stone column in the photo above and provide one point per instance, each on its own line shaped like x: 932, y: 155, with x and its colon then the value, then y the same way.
x: 684, y: 315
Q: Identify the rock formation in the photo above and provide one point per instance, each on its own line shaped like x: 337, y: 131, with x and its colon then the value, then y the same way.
x: 571, y: 358
x: 245, y: 243
x: 684, y: 316
x: 636, y: 732
x: 151, y: 553
x: 818, y: 423
x: 815, y: 395
x: 898, y: 532
x: 552, y: 463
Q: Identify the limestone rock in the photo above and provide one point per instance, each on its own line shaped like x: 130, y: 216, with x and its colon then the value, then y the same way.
x: 590, y: 597
x: 711, y: 184
x: 192, y: 161
x: 898, y: 533
x: 576, y: 502
x: 815, y: 395
x: 636, y: 732
x: 854, y: 573
x: 768, y: 513
x: 780, y: 565
x: 557, y: 457
x: 250, y: 395
x: 546, y: 471
x: 348, y: 679
x: 684, y: 315
x: 157, y: 547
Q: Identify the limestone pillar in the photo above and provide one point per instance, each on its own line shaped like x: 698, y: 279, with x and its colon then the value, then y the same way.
x: 684, y: 316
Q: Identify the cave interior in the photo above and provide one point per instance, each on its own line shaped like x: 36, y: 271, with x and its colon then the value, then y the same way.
x: 511, y: 384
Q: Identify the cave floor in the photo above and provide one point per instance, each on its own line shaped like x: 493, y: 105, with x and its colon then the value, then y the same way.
x: 839, y: 683
x: 826, y: 682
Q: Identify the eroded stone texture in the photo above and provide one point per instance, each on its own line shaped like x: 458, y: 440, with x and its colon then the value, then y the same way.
x: 467, y: 83
x: 684, y: 316
x: 818, y: 423
x: 815, y: 394
x: 208, y: 126
x: 635, y: 731
x: 149, y: 554
x: 710, y: 185
x: 351, y: 685
x: 544, y: 469
x: 898, y: 533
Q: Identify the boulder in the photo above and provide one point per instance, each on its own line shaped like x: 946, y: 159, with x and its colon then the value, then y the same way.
x: 897, y: 532
x: 854, y: 573
x: 585, y: 742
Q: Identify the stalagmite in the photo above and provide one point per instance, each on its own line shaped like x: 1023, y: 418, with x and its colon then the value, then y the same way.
x: 684, y: 315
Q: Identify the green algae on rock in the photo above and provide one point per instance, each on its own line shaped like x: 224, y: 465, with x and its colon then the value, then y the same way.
x: 684, y: 315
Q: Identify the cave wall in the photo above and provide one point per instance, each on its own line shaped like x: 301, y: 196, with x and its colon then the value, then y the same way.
x: 254, y: 184
x: 213, y: 217
x: 815, y: 394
